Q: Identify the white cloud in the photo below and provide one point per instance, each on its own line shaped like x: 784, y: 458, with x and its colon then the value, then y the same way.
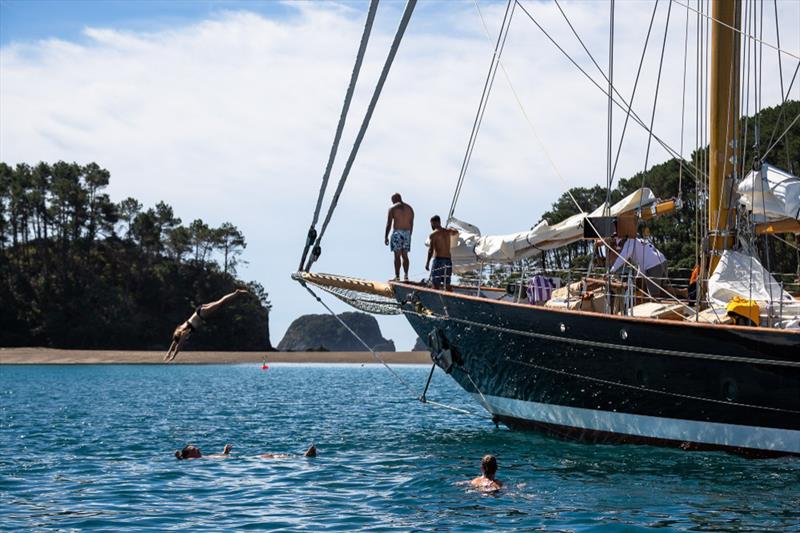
x: 231, y: 118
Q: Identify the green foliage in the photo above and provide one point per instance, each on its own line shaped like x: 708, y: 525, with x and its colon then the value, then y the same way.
x: 79, y: 271
x: 677, y: 234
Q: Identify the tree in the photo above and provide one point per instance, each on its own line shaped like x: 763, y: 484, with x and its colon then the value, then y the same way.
x: 127, y: 210
x: 232, y: 244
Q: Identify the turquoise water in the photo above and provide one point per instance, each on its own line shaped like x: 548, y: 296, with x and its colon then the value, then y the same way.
x: 92, y: 447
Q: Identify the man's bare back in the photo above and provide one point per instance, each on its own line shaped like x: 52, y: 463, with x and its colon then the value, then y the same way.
x: 440, y: 242
x: 400, y: 222
x: 401, y: 216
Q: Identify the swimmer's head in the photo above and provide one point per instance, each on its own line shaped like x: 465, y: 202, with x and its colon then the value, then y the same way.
x: 188, y: 452
x: 227, y: 449
x: 489, y: 466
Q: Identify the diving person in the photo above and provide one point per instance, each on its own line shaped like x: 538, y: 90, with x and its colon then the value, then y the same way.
x: 439, y: 251
x: 400, y: 222
x: 198, y: 318
x: 487, y: 481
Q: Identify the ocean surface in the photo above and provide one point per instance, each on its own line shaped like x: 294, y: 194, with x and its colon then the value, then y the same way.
x: 92, y: 447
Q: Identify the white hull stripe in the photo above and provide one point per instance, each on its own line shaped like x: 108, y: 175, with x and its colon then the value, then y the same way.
x: 731, y: 435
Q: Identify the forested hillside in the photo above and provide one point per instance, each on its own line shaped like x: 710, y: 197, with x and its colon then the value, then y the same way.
x: 78, y: 270
x: 675, y: 234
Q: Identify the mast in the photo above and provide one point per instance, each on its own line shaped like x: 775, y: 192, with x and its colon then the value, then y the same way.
x: 723, y: 123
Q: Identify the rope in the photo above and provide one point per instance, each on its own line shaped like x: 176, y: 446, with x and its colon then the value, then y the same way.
x: 364, y: 124
x: 620, y: 347
x: 610, y: 132
x: 655, y: 391
x: 683, y: 98
x: 781, y: 136
x: 635, y: 83
x: 379, y: 359
x: 362, y: 48
x: 784, y: 98
x: 524, y: 113
x: 658, y: 87
x: 780, y: 73
x: 671, y: 151
x: 711, y: 18
x: 487, y: 89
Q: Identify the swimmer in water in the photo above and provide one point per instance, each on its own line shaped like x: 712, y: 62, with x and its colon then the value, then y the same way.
x: 193, y: 452
x: 487, y: 482
x: 310, y: 452
x: 196, y: 321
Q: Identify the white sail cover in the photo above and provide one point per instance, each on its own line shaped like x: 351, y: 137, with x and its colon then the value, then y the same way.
x: 739, y: 274
x: 771, y: 194
x: 471, y: 248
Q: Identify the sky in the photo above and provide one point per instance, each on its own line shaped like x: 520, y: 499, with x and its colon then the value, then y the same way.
x: 226, y: 110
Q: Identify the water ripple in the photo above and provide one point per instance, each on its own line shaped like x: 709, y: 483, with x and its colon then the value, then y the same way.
x: 90, y: 447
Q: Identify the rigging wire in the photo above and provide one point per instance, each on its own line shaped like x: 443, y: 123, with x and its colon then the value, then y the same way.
x: 549, y: 158
x: 610, y: 103
x: 784, y: 98
x: 780, y: 75
x: 751, y: 37
x: 363, y: 130
x: 524, y: 112
x: 683, y: 99
x: 362, y: 47
x: 635, y: 83
x: 391, y: 370
x: 635, y: 116
x: 658, y: 87
x: 488, y: 84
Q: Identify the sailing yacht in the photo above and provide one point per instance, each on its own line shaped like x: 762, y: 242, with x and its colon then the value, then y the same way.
x: 603, y: 359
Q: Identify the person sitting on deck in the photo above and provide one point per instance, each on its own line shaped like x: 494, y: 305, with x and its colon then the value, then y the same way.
x: 439, y: 250
x: 486, y: 481
x: 401, y: 223
x: 193, y: 452
x: 647, y: 259
x: 198, y: 318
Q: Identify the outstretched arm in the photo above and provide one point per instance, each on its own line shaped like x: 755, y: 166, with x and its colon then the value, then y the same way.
x: 172, y: 347
x: 213, y: 307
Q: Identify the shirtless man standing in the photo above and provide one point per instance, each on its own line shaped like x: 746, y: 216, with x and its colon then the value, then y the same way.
x: 401, y: 221
x: 439, y: 251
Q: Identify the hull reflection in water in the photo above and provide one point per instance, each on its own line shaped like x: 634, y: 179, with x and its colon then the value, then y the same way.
x: 605, y: 378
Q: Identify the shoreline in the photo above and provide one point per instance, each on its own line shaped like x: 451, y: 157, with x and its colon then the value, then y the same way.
x: 56, y: 356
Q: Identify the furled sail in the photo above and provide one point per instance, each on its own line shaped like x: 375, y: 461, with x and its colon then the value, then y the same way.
x: 470, y: 248
x: 740, y: 275
x: 770, y: 194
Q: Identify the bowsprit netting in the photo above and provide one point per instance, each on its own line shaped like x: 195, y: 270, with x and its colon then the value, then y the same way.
x: 370, y: 296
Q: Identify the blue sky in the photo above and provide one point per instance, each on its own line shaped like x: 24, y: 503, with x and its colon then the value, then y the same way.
x: 226, y: 111
x: 28, y: 20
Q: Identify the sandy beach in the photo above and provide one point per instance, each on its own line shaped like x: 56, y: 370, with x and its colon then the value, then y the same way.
x: 43, y: 356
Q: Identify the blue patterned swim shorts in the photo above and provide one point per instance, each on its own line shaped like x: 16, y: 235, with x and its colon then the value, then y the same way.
x: 400, y: 241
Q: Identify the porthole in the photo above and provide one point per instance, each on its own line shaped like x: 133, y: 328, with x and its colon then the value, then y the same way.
x: 730, y: 390
x: 623, y: 334
x: 562, y: 327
